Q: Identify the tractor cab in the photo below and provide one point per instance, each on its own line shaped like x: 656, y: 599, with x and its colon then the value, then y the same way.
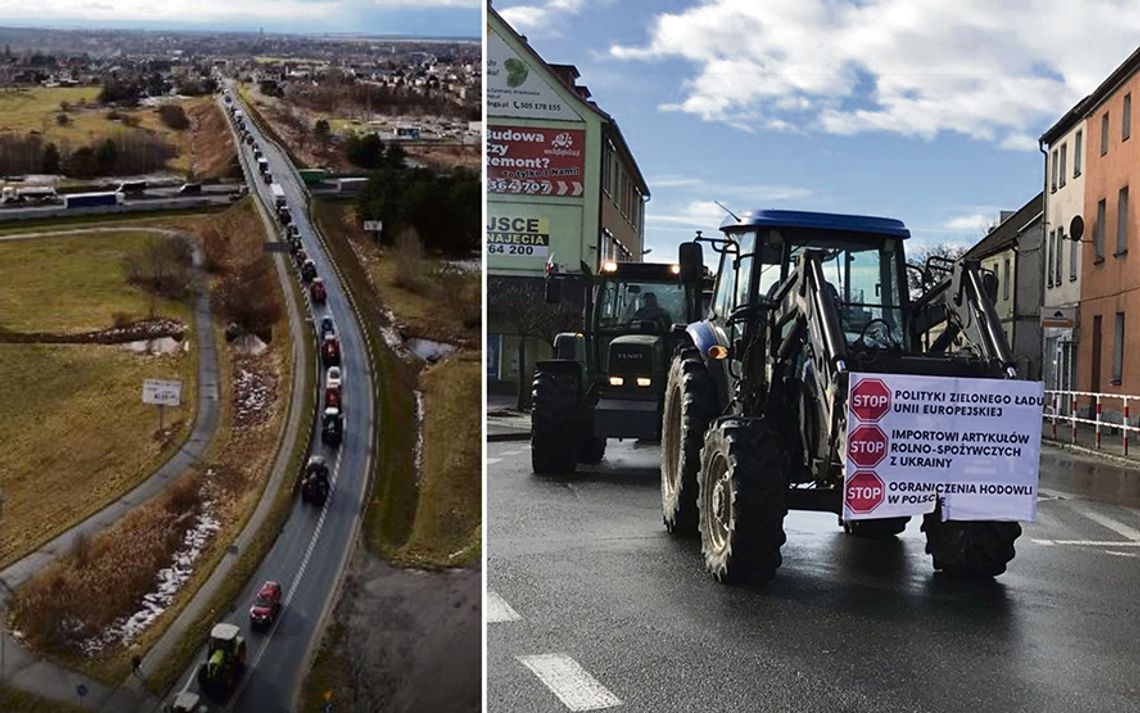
x: 225, y: 660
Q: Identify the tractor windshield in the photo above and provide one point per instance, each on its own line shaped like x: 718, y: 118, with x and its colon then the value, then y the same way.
x: 625, y: 305
x: 863, y: 278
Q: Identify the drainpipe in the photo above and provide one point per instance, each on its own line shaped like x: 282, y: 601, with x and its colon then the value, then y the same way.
x: 1044, y: 251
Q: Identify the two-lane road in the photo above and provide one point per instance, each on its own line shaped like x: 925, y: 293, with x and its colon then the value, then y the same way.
x: 308, y: 556
x: 594, y: 606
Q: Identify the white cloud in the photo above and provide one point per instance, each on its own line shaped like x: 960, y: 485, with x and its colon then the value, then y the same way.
x: 993, y: 71
x: 525, y: 18
x: 973, y: 223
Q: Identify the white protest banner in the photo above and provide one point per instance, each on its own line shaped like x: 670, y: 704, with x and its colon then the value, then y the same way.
x: 914, y: 441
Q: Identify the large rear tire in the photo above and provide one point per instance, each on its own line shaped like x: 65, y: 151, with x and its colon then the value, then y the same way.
x: 743, y: 501
x: 690, y: 405
x: 970, y: 550
x: 553, y: 423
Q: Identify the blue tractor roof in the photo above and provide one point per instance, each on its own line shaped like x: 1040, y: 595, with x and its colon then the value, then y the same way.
x: 816, y: 221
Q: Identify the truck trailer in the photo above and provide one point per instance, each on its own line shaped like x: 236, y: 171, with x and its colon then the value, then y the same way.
x: 89, y: 200
x: 278, y: 194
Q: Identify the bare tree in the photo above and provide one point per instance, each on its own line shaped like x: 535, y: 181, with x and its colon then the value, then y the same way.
x: 920, y: 255
x: 520, y: 306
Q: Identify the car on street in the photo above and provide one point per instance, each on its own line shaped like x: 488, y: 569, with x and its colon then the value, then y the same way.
x: 317, y: 291
x: 332, y: 426
x: 332, y: 398
x: 327, y: 326
x: 266, y: 605
x: 333, y: 378
x: 330, y: 350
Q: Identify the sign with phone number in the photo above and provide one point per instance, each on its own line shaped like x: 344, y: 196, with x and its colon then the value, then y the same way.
x: 518, y: 237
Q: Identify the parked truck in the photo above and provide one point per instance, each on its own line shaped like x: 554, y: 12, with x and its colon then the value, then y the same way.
x: 90, y: 200
x: 30, y: 194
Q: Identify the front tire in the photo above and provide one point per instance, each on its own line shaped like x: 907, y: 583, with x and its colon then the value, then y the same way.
x: 970, y: 550
x: 690, y: 405
x: 743, y: 501
x: 553, y: 423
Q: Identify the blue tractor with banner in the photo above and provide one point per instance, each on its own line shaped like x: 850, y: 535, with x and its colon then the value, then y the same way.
x: 818, y: 382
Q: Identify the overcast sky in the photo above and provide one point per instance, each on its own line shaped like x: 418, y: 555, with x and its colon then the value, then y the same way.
x: 919, y: 109
x: 435, y: 18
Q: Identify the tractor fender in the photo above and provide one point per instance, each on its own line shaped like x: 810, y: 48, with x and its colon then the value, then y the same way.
x: 704, y: 336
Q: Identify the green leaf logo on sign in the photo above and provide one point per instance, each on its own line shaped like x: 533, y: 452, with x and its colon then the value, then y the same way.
x: 516, y: 72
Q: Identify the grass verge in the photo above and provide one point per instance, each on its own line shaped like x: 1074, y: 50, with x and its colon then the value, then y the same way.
x: 13, y: 700
x: 447, y: 530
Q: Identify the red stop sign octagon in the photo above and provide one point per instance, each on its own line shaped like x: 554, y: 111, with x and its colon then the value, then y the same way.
x: 867, y: 446
x: 864, y: 492
x: 870, y: 400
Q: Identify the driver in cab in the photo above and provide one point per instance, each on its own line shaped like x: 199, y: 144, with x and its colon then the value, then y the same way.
x: 650, y: 311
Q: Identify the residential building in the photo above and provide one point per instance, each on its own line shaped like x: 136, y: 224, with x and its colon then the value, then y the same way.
x: 1110, y: 277
x: 1064, y: 199
x: 1012, y: 251
x: 562, y: 187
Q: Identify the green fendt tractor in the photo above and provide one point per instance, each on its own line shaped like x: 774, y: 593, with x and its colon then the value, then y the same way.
x: 755, y: 417
x: 225, y: 661
x: 607, y: 381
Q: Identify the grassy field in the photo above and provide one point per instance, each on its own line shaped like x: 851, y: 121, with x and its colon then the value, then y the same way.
x: 35, y: 109
x: 16, y: 701
x: 447, y: 528
x: 74, y: 283
x: 64, y: 457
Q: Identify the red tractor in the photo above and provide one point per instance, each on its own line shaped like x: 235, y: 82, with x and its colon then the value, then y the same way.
x: 330, y: 350
x: 332, y: 398
x: 317, y: 290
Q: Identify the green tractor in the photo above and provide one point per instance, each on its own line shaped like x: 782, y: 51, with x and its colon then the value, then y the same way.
x: 608, y: 380
x: 225, y: 661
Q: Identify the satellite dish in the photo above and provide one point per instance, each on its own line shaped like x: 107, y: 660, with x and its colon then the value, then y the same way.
x: 1076, y: 227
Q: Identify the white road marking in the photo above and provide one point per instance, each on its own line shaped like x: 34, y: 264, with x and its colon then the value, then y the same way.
x: 498, y: 610
x: 574, y: 686
x: 1116, y: 526
x: 1086, y: 543
x: 1120, y: 554
x: 511, y: 453
x: 493, y: 461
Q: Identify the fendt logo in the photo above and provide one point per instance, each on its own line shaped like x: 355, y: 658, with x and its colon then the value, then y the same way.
x: 867, y: 446
x: 864, y: 492
x: 870, y: 400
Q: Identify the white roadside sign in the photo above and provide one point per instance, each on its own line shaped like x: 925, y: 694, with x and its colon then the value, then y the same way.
x: 162, y: 392
x: 374, y: 225
x: 914, y: 442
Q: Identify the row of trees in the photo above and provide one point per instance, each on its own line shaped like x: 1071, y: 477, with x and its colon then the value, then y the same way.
x: 445, y: 209
x: 125, y: 154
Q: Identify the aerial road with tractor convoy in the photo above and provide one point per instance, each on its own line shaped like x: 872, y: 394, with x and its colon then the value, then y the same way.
x: 808, y: 430
x: 255, y: 662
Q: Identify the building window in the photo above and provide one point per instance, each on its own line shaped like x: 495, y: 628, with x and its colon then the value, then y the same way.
x: 1104, y: 134
x: 1077, y: 153
x: 607, y: 168
x: 1118, y: 350
x: 1074, y: 250
x: 1062, y: 171
x: 1126, y: 118
x: 1053, y: 181
x: 1098, y: 234
x: 1122, y: 222
x: 1057, y: 256
x: 1005, y: 280
x: 1049, y: 257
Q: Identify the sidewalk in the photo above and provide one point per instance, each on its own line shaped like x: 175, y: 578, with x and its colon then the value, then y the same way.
x: 504, y: 422
x: 1084, y: 440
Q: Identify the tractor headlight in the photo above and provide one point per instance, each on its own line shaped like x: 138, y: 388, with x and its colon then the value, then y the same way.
x: 617, y: 381
x: 644, y: 381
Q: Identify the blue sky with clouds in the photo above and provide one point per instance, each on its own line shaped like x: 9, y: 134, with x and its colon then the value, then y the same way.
x: 918, y: 109
x: 422, y: 18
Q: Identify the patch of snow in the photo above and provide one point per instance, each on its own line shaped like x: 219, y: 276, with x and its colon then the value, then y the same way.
x: 430, y: 351
x: 169, y: 580
x: 472, y: 265
x: 418, y: 459
x: 249, y: 344
x: 253, y: 395
x: 163, y: 345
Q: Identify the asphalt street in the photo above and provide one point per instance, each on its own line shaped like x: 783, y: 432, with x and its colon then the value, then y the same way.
x: 308, y: 556
x: 592, y: 605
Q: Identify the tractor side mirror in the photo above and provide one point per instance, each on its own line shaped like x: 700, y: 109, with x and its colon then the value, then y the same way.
x: 692, y: 259
x: 553, y: 291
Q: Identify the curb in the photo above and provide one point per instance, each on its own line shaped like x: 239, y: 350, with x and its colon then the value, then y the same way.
x: 1093, y: 453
